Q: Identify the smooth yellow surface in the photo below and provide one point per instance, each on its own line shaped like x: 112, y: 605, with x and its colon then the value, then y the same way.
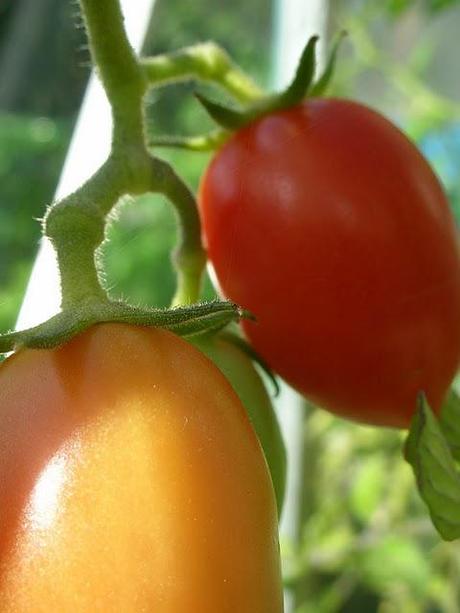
x: 131, y: 481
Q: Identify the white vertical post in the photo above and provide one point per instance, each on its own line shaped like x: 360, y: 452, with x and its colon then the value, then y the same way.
x: 294, y: 22
x: 88, y: 149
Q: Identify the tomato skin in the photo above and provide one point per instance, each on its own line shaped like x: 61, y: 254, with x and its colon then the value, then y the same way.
x: 326, y: 222
x: 247, y: 383
x: 131, y: 480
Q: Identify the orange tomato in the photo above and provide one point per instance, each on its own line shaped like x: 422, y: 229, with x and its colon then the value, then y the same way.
x: 131, y: 480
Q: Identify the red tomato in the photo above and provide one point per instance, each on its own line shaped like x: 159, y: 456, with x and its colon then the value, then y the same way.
x: 326, y: 222
x: 131, y: 480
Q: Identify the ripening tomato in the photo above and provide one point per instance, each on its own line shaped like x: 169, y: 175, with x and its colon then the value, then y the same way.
x: 131, y: 480
x: 326, y: 222
x: 247, y: 383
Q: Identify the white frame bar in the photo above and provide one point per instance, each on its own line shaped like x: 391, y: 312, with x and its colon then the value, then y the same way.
x: 294, y: 22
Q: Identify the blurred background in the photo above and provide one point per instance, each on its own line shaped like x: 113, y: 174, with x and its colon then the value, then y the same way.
x: 364, y: 540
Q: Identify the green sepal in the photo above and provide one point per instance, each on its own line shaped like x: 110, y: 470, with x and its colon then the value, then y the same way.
x: 184, y: 321
x: 232, y: 119
x: 299, y: 88
x: 246, y: 348
x: 322, y: 83
x: 296, y: 91
x: 224, y: 116
x: 428, y: 452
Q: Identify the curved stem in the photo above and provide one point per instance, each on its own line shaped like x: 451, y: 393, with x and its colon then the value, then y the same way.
x: 204, y: 142
x: 205, y: 61
x: 76, y: 224
x: 189, y: 258
x: 75, y: 227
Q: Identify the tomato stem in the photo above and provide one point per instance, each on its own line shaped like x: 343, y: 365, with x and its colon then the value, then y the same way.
x: 76, y: 224
x: 75, y: 227
x: 119, y: 69
x: 206, y: 62
x: 189, y: 258
x: 204, y: 142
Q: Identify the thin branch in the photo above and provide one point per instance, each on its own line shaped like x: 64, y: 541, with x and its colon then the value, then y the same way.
x: 205, y: 61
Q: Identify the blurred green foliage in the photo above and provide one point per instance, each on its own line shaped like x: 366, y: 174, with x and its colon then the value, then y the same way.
x: 366, y: 542
x: 396, y: 7
x: 31, y: 152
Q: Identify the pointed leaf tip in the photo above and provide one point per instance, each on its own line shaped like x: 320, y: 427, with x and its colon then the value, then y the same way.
x: 323, y: 81
x: 299, y: 86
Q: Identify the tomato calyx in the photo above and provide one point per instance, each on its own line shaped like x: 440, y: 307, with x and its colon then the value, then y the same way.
x: 229, y: 119
x: 183, y: 321
x: 301, y: 86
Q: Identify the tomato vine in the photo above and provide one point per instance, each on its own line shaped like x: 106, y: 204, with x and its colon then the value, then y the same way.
x: 76, y: 224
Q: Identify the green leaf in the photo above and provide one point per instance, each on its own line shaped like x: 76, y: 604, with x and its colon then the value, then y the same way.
x: 394, y: 561
x: 368, y: 488
x: 428, y: 452
x: 450, y: 422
